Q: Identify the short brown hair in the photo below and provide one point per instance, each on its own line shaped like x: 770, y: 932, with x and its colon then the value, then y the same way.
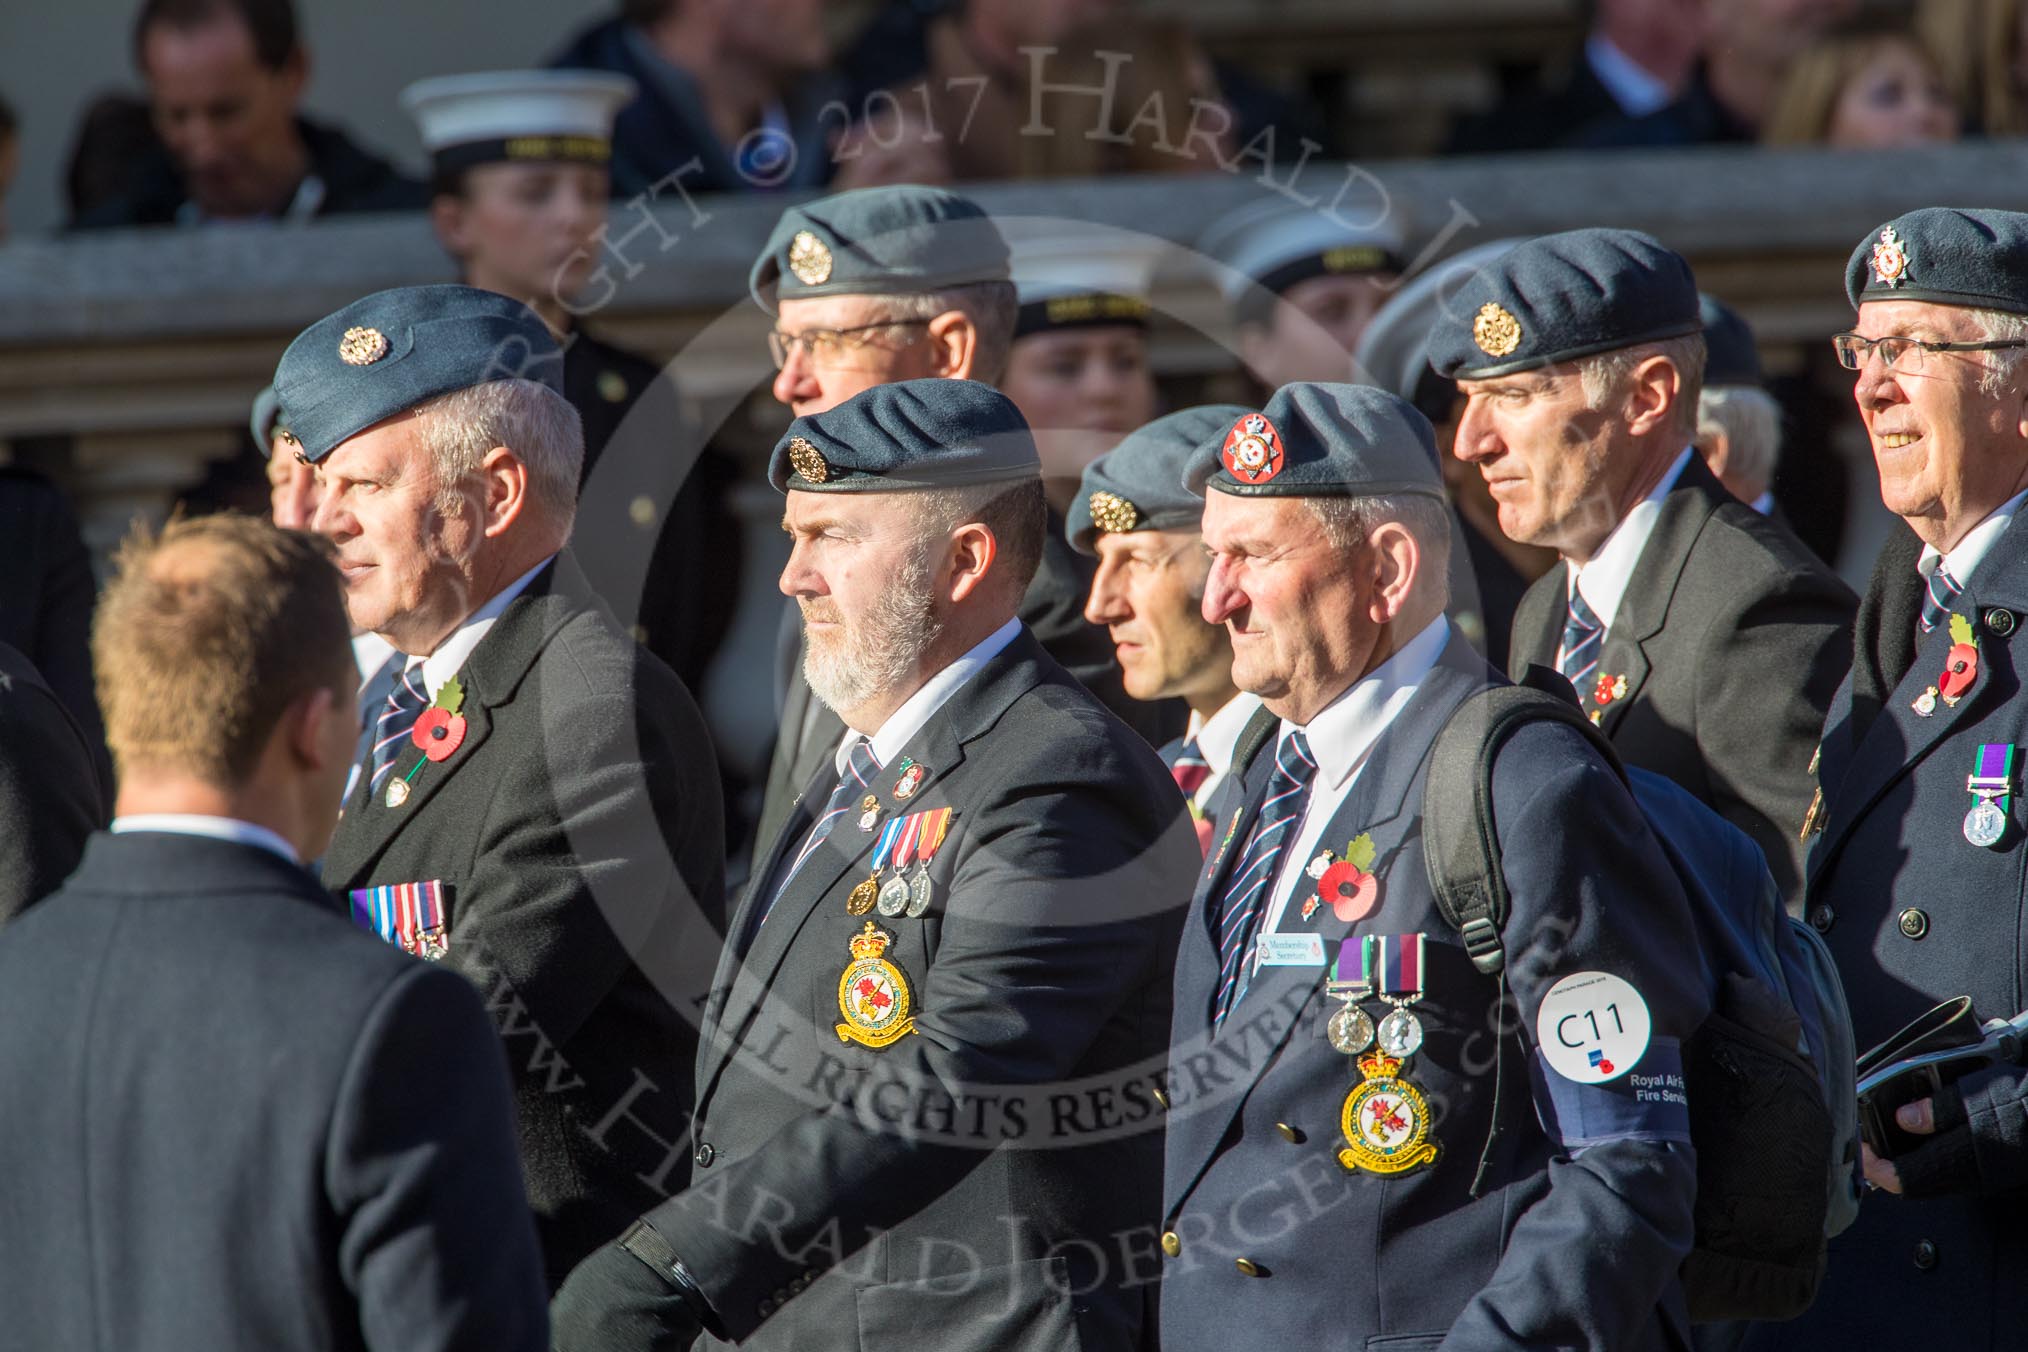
x: 208, y: 632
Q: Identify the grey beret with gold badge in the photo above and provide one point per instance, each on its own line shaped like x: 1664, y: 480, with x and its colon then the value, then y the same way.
x: 1138, y: 484
x: 1561, y: 297
x: 395, y: 349
x: 911, y: 434
x: 893, y: 241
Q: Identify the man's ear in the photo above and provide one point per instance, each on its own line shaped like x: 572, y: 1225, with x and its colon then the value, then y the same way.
x: 1397, y: 564
x: 1654, y: 393
x: 304, y: 725
x: 972, y: 552
x: 505, y: 478
x: 954, y: 345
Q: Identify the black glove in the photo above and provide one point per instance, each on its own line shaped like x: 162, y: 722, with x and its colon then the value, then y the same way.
x: 614, y: 1302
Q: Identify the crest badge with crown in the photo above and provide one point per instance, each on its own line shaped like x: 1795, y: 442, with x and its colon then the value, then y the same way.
x: 873, y: 995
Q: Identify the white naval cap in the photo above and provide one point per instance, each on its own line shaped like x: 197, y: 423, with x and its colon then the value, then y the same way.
x: 517, y: 115
x: 1065, y: 277
x: 1266, y: 247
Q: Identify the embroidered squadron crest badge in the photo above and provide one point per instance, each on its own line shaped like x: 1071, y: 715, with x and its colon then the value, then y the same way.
x: 1253, y: 449
x: 809, y: 259
x: 1385, y: 1121
x: 873, y: 995
x: 1890, y: 259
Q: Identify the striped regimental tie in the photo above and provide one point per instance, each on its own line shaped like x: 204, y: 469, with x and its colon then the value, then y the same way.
x: 392, y: 735
x: 1583, y: 636
x: 860, y: 768
x: 1238, y: 908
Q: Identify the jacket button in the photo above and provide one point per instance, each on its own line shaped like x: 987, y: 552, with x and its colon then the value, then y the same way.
x: 1925, y: 1254
x: 1821, y: 918
x: 1247, y: 1266
x: 2000, y: 620
x: 705, y: 1155
x: 1914, y: 923
x: 1289, y: 1133
x: 1172, y: 1244
x: 766, y: 1308
x: 1162, y: 1099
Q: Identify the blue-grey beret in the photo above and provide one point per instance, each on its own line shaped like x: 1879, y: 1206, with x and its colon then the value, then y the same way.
x: 1948, y: 256
x: 1561, y: 297
x: 266, y: 417
x: 893, y: 241
x: 1731, y: 355
x: 1321, y: 440
x: 395, y: 349
x: 929, y: 433
x: 1138, y: 484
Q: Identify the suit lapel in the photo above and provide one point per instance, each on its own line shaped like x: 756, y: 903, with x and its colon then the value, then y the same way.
x: 490, y: 677
x: 1899, y: 737
x: 1379, y: 804
x: 1632, y: 640
x: 1538, y: 622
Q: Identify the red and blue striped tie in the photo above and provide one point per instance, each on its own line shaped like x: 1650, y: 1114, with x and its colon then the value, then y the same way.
x: 392, y: 734
x: 1190, y: 769
x: 1238, y: 914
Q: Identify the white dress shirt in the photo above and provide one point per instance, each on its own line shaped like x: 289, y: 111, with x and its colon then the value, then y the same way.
x: 199, y: 824
x: 1341, y: 740
x: 1971, y: 551
x: 907, y: 721
x: 443, y: 664
x: 1217, y: 737
x: 1603, y: 580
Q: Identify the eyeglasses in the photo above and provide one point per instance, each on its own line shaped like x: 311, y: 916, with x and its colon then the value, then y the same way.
x: 819, y: 344
x: 1899, y: 353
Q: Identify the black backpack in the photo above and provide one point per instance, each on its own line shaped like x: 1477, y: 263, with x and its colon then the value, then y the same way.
x: 1773, y: 1112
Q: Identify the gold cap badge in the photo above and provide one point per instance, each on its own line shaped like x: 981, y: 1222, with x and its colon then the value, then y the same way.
x: 362, y: 347
x: 1111, y: 512
x: 809, y: 259
x: 808, y: 461
x: 1890, y: 259
x: 1495, y: 330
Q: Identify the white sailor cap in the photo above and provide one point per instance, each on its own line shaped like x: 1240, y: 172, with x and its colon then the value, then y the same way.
x: 1066, y: 277
x: 542, y: 116
x: 1268, y: 246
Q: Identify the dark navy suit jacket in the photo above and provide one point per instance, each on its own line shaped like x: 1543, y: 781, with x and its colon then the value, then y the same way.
x: 1564, y: 1247
x: 235, y: 1122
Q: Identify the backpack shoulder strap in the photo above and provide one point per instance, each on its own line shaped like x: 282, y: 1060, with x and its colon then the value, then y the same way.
x: 1461, y: 849
x: 1258, y: 732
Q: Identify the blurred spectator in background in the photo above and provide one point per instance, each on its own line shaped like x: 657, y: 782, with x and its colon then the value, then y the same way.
x: 292, y: 484
x: 731, y: 93
x: 1637, y: 59
x: 1748, y: 48
x: 520, y: 182
x: 224, y: 80
x: 53, y: 793
x: 47, y: 593
x: 10, y: 159
x: 986, y: 77
x: 1167, y: 114
x: 1739, y: 424
x: 1864, y: 89
x: 115, y: 154
x: 1981, y: 46
x: 1303, y: 285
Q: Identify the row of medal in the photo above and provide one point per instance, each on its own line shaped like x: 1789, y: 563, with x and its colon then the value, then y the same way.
x: 1390, y: 969
x: 903, y: 841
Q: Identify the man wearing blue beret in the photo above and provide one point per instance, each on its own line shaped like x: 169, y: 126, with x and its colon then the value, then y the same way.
x: 1134, y: 513
x: 1363, y: 1147
x: 871, y: 287
x: 927, y: 1105
x: 539, y: 807
x: 1915, y: 863
x: 1704, y: 639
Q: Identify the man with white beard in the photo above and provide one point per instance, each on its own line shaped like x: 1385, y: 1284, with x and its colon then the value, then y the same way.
x: 929, y: 1102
